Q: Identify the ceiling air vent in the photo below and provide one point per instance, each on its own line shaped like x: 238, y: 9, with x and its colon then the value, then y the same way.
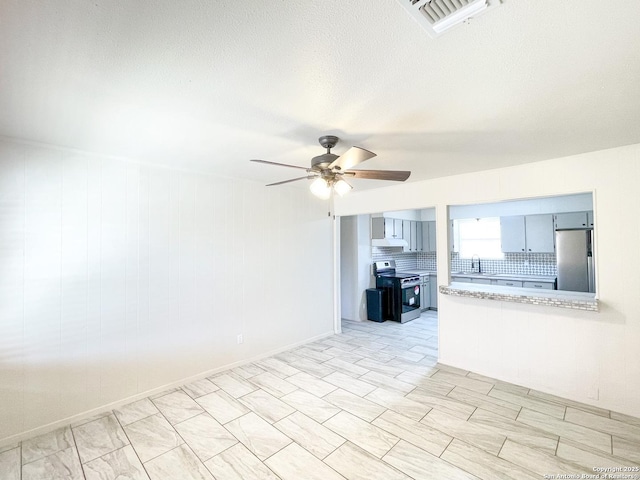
x: 438, y: 16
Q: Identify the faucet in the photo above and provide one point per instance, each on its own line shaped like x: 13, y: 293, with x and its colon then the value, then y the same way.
x: 476, y: 258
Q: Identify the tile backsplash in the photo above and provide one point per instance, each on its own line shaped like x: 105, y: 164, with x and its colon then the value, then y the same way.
x: 404, y: 261
x: 516, y: 263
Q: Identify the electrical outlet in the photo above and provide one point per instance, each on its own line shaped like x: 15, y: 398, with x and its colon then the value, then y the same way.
x: 240, y: 339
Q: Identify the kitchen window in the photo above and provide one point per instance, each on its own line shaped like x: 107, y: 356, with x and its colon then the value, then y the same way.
x: 478, y: 236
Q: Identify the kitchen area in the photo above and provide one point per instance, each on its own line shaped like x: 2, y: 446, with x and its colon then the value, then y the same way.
x: 519, y: 247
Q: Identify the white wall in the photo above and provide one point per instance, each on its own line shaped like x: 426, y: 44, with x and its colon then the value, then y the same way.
x: 579, y: 355
x: 117, y: 279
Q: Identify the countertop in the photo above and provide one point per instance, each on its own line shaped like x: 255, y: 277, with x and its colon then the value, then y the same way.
x: 496, y: 276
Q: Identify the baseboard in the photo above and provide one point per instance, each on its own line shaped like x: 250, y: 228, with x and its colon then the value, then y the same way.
x: 78, y: 418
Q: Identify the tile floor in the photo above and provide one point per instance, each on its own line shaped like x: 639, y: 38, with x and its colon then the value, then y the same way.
x: 371, y: 403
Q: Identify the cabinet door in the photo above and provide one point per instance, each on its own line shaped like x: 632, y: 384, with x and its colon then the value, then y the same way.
x: 389, y: 228
x: 420, y: 243
x: 512, y: 234
x: 424, y: 226
x: 571, y: 220
x: 397, y: 227
x: 540, y: 285
x: 425, y: 294
x: 509, y: 283
x: 377, y: 227
x: 590, y: 218
x: 452, y: 241
x: 461, y: 279
x: 432, y: 236
x: 406, y: 234
x: 413, y: 242
x: 540, y: 233
x: 482, y: 281
x: 433, y: 288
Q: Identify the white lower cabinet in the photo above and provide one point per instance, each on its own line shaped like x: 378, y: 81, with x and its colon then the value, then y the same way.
x: 425, y: 293
x: 540, y: 285
x: 509, y: 283
x: 433, y: 289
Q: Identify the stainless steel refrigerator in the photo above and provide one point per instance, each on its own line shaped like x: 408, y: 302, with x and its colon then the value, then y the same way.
x: 574, y: 252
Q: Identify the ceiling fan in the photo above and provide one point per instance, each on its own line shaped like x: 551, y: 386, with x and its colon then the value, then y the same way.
x: 329, y: 172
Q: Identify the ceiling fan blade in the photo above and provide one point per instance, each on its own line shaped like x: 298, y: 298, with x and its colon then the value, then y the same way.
x: 292, y: 180
x: 280, y: 164
x: 351, y: 158
x: 396, y: 175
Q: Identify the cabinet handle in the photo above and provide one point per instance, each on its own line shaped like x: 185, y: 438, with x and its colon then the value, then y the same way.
x: 529, y: 249
x: 509, y: 283
x: 538, y: 286
x: 523, y: 249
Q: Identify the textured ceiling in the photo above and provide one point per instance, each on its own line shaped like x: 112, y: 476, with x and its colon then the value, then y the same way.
x: 207, y: 85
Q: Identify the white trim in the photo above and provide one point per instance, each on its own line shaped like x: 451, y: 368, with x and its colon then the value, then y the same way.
x: 113, y: 405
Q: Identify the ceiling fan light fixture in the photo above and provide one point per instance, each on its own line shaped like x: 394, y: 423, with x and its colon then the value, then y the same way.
x: 320, y: 188
x: 342, y: 188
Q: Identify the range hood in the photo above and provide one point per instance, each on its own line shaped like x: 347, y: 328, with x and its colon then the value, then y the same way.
x: 389, y: 242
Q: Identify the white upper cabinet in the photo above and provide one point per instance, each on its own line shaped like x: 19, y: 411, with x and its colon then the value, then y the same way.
x: 512, y: 234
x: 383, y: 227
x: 406, y: 234
x: 590, y: 218
x: 571, y: 220
x: 530, y: 233
x: 540, y: 233
x: 428, y: 236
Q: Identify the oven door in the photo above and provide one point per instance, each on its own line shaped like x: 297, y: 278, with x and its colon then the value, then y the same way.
x: 410, y: 299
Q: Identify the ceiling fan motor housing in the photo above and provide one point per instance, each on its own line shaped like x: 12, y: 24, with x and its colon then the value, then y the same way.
x: 322, y: 161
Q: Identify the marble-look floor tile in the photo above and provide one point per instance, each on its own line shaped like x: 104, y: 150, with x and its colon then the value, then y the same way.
x: 442, y: 403
x: 9, y: 446
x: 273, y: 384
x: 314, y: 437
x: 517, y: 431
x: 472, y: 433
x: 624, y: 418
x: 222, y: 406
x: 205, y: 436
x: 578, y: 433
x: 135, y: 411
x: 365, y: 409
x: 450, y: 369
x: 385, y: 381
x: 539, y: 462
x: 312, y: 367
x: 10, y: 464
x: 46, y: 444
x: 355, y: 464
x: 460, y: 381
x: 232, y: 384
x: 500, y: 385
x: 238, y: 463
x: 277, y: 367
x: 266, y: 405
x: 348, y: 368
x: 312, y: 354
x: 311, y: 384
x: 482, y: 464
x: 179, y: 463
x: 249, y: 370
x: 99, y: 437
x: 375, y: 366
x: 63, y: 465
x: 398, y: 403
x: 123, y: 464
x: 605, y: 425
x: 312, y: 406
x: 262, y: 439
x: 569, y: 403
x: 532, y: 403
x: 428, y: 439
x: 350, y: 384
x: 587, y: 457
x: 403, y: 354
x: 177, y: 407
x: 369, y: 437
x: 97, y: 416
x: 295, y: 463
x: 626, y: 449
x: 199, y: 388
x: 335, y: 342
x: 343, y: 354
x: 421, y: 465
x: 152, y: 436
x: 495, y: 405
x: 165, y: 392
x: 425, y: 382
